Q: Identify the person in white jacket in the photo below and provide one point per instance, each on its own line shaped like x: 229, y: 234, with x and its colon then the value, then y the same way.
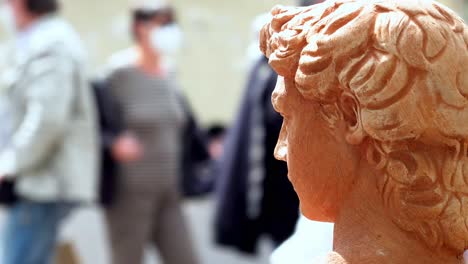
x: 52, y: 153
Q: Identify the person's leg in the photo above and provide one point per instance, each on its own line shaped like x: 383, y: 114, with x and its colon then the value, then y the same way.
x: 171, y: 235
x: 57, y: 214
x: 31, y: 232
x: 129, y: 226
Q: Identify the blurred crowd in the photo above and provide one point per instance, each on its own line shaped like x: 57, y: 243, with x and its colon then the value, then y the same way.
x: 129, y: 141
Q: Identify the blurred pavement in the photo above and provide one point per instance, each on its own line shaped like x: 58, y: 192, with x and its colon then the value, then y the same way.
x: 86, y: 229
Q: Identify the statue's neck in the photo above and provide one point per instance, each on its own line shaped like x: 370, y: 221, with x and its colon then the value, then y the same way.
x: 364, y: 233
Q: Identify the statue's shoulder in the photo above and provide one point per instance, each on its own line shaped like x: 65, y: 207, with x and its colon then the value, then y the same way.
x: 330, y: 258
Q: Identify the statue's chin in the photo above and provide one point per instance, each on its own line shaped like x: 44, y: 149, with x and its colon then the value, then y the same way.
x: 320, y: 214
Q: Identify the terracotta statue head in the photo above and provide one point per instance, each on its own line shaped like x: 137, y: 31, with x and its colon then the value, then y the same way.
x: 378, y: 88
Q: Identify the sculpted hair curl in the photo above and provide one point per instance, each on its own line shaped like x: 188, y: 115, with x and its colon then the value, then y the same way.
x: 390, y: 81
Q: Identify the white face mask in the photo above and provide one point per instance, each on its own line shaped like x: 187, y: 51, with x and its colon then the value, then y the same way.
x: 167, y: 39
x: 7, y: 19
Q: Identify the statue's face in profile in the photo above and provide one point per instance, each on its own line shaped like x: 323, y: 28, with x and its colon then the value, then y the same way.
x: 321, y: 165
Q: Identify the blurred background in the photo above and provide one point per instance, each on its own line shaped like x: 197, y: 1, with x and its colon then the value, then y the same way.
x: 213, y: 67
x: 212, y: 62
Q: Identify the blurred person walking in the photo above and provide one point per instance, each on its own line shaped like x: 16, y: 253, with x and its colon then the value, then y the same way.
x: 147, y: 207
x: 51, y: 155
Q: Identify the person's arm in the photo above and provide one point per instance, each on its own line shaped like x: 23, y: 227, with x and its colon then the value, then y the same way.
x: 48, y: 103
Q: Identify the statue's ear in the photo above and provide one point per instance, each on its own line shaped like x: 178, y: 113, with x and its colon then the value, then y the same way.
x: 355, y: 134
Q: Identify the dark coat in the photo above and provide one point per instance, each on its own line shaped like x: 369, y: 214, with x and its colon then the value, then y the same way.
x: 280, y: 205
x: 111, y: 124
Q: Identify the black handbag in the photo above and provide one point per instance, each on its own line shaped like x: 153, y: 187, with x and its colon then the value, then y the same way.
x: 8, y: 196
x: 195, y: 178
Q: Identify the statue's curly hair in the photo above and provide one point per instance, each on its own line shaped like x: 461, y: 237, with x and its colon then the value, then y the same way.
x: 397, y: 73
